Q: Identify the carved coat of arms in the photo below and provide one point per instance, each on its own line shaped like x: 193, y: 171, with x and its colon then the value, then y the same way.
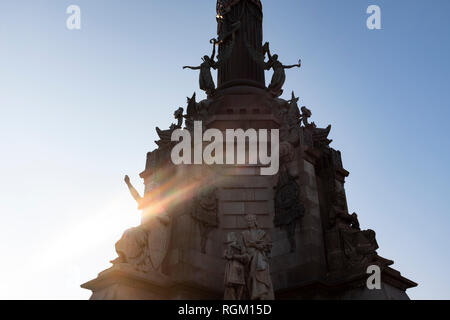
x: 159, y: 232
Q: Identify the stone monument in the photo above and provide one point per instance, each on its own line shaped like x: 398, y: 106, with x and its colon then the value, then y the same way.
x: 225, y: 231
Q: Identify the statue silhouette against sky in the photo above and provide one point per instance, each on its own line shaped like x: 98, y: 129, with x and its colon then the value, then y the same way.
x: 279, y: 75
x: 205, y: 79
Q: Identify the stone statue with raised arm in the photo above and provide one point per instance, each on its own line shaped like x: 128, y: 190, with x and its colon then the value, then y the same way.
x: 143, y: 248
x: 279, y: 75
x: 134, y: 193
x: 206, y: 80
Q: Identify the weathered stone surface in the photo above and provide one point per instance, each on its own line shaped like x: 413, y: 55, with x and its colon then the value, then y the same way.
x: 236, y: 194
x: 234, y: 208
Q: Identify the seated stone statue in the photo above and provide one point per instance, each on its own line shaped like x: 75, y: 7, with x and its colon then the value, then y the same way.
x: 132, y: 250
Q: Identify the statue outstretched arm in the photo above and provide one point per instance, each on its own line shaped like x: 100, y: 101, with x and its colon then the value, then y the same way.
x: 134, y: 193
x: 298, y: 65
x: 193, y: 68
x: 291, y: 66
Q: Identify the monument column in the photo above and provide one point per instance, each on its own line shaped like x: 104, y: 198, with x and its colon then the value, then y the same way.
x: 244, y: 19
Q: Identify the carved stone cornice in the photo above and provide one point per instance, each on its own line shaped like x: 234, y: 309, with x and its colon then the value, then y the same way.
x: 311, y: 154
x: 341, y: 174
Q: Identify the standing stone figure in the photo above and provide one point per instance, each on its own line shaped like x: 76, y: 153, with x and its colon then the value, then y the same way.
x: 279, y: 75
x: 237, y: 259
x: 306, y: 114
x: 206, y: 80
x: 258, y: 246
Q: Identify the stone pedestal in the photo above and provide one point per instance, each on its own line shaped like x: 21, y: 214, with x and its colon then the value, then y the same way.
x: 318, y: 249
x: 123, y: 283
x: 351, y: 287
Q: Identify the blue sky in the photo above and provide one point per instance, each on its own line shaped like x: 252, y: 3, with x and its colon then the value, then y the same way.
x: 78, y: 111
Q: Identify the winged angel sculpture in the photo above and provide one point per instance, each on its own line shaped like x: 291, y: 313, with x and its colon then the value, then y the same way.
x: 206, y: 80
x: 279, y: 75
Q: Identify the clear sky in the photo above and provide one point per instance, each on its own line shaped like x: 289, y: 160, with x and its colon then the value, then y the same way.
x: 78, y: 111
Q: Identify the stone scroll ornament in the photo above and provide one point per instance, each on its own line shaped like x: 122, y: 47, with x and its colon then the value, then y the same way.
x: 279, y: 73
x: 204, y: 211
x: 144, y: 247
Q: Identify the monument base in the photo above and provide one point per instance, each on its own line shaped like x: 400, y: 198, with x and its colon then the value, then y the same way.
x: 121, y: 282
x: 393, y: 287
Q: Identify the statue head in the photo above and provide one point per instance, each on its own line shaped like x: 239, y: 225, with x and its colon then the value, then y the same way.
x: 178, y: 113
x: 306, y: 112
x: 275, y: 57
x: 251, y: 221
x: 206, y: 58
